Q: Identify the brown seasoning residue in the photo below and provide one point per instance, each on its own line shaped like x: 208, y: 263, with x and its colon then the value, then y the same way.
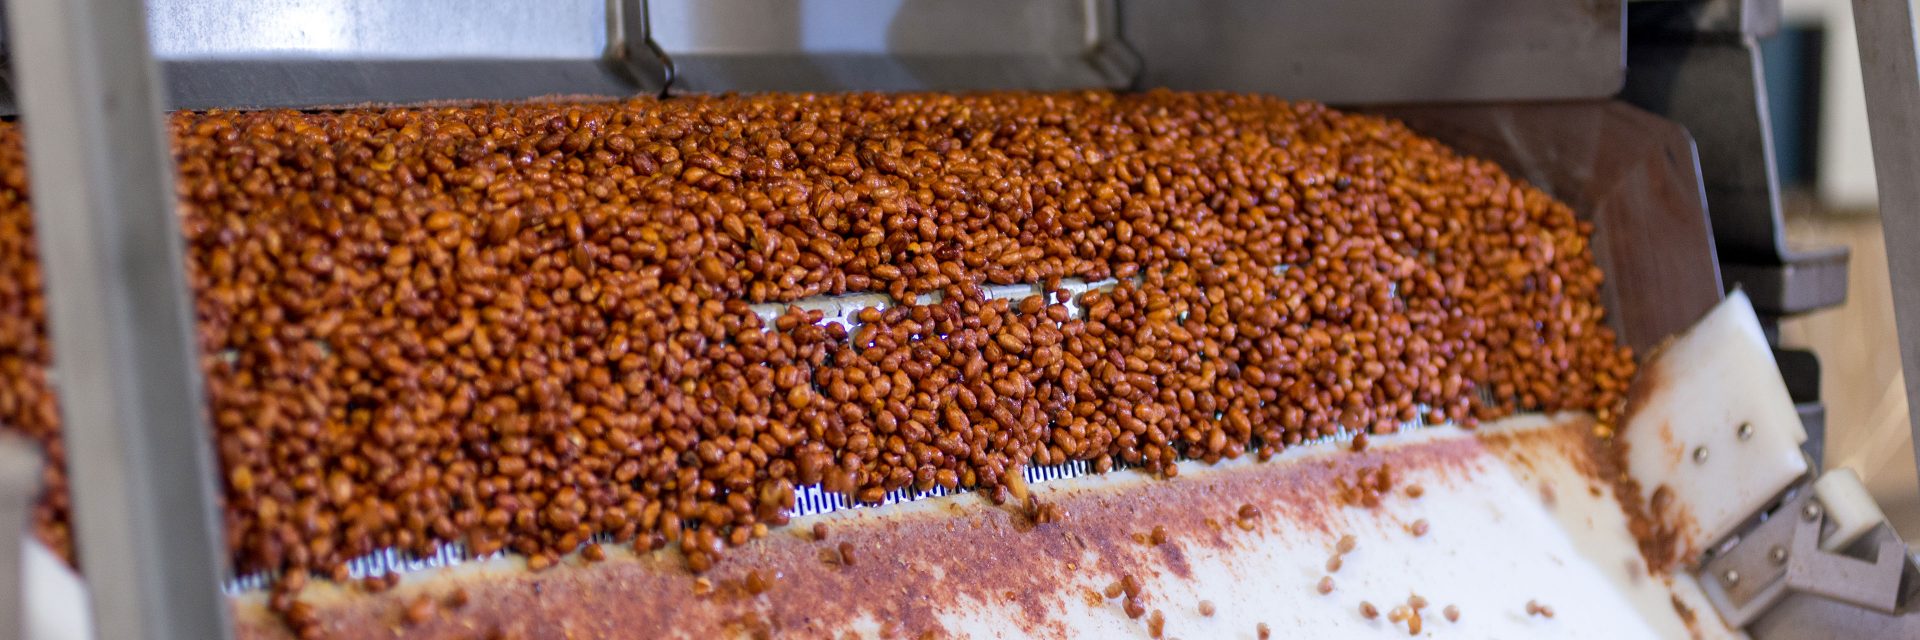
x: 988, y: 558
x: 1654, y: 524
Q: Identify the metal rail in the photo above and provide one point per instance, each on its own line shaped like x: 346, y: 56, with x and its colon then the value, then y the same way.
x: 1890, y: 66
x: 121, y: 317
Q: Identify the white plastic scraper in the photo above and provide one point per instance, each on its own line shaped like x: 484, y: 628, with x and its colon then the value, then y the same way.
x: 1712, y: 435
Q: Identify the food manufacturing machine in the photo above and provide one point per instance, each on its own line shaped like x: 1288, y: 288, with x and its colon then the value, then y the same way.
x: 1647, y: 118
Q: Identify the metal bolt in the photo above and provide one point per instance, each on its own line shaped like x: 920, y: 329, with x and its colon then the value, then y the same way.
x: 1730, y: 578
x: 1699, y: 455
x: 1746, y: 431
x: 1811, y: 512
x: 1778, y: 555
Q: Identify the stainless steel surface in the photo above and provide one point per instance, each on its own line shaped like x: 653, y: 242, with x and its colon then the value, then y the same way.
x: 1890, y: 66
x: 308, y: 53
x: 121, y: 318
x: 302, y: 84
x: 19, y: 485
x: 413, y: 30
x: 1382, y: 51
x: 891, y: 45
x: 320, y: 53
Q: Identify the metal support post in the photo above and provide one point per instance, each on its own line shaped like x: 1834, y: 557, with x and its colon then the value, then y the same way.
x: 1891, y: 71
x: 121, y: 318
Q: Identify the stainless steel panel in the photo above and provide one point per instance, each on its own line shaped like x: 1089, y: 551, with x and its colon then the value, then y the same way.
x: 121, y: 318
x: 326, y: 53
x: 1890, y: 66
x: 357, y: 29
x: 1382, y: 51
x: 1632, y: 173
x: 339, y: 52
x: 303, y: 84
x: 892, y: 45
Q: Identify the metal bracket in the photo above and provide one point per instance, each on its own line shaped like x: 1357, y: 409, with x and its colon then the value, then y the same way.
x: 1801, y: 281
x: 1782, y: 556
x: 630, y: 45
x: 1108, y: 50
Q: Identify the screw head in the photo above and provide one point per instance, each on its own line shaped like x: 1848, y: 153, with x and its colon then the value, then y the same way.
x: 1811, y: 511
x: 1730, y: 578
x: 1777, y: 554
x: 1699, y: 455
x: 1745, y: 431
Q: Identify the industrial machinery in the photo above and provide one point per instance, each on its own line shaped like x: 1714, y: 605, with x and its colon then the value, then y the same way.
x: 1646, y: 118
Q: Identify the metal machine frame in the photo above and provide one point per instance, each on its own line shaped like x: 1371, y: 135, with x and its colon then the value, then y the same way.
x: 1890, y: 62
x: 111, y: 244
x: 89, y: 89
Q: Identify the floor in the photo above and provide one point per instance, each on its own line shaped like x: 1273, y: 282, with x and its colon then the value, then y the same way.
x: 1867, y: 427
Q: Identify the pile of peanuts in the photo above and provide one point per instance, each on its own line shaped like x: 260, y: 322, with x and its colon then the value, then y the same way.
x: 519, y: 326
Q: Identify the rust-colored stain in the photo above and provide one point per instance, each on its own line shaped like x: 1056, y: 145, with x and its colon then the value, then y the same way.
x: 1572, y: 439
x: 1672, y: 525
x: 1675, y: 453
x: 911, y: 564
x: 1659, y: 523
x: 1649, y: 381
x: 1686, y: 612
